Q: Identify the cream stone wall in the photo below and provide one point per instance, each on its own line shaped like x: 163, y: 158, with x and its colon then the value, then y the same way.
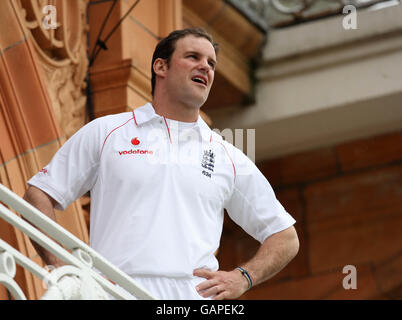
x: 319, y: 84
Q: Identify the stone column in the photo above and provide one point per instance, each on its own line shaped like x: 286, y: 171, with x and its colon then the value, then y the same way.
x: 42, y: 103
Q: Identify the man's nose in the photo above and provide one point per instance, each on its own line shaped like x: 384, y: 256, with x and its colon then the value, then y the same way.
x: 204, y: 65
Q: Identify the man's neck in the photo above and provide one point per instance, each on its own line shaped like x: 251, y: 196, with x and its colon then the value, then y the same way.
x: 175, y: 111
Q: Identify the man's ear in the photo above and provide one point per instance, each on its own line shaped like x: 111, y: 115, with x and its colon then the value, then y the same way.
x: 160, y: 67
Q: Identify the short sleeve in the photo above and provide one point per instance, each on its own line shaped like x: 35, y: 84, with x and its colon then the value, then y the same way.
x: 253, y: 204
x: 73, y: 169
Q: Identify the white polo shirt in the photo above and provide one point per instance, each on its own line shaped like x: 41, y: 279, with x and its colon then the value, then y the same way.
x: 158, y: 190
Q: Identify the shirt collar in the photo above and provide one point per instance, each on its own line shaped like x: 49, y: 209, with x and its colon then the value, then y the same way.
x: 147, y: 113
x: 144, y: 114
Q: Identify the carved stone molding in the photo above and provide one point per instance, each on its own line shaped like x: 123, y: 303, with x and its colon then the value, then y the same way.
x: 62, y: 53
x: 280, y: 13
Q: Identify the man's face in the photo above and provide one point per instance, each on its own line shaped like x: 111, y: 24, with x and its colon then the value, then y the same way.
x: 191, y: 70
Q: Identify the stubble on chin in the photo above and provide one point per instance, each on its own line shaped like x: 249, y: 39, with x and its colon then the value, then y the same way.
x: 195, y: 100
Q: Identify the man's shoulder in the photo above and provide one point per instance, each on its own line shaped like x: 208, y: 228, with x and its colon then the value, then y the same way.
x: 226, y: 144
x: 109, y: 122
x: 231, y: 150
x: 115, y: 118
x: 243, y: 163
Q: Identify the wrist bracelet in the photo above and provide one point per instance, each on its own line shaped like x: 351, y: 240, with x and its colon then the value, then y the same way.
x: 245, y: 273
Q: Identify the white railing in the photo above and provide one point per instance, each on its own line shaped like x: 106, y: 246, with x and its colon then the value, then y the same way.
x: 86, y: 273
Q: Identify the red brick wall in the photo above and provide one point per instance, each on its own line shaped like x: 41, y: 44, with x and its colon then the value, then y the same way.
x: 347, y: 201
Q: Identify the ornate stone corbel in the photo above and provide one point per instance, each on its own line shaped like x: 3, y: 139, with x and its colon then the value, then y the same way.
x: 62, y: 53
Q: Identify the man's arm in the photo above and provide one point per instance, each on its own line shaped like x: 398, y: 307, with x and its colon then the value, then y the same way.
x: 272, y: 256
x: 45, y: 204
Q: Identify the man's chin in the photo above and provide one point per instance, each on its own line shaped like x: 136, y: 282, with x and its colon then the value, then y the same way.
x: 201, y: 103
x: 197, y: 103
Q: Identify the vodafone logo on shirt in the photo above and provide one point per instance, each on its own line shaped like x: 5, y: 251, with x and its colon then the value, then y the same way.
x: 137, y: 151
x: 135, y: 142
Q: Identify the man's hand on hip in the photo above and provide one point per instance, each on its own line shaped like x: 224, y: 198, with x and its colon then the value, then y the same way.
x: 221, y: 284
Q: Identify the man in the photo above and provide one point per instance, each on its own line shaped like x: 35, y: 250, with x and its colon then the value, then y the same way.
x: 160, y: 179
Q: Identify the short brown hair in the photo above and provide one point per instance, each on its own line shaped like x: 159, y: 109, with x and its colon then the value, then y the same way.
x: 166, y: 47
